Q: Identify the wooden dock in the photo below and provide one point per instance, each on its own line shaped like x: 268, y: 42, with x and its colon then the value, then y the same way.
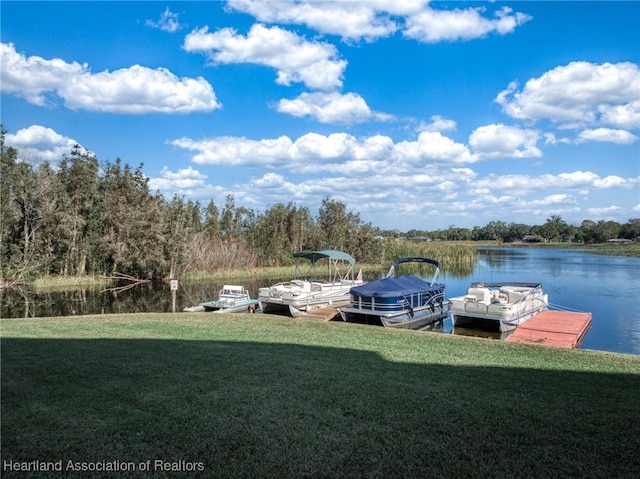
x: 322, y: 314
x: 561, y: 329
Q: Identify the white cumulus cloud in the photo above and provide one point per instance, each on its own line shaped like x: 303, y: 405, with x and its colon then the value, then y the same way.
x: 433, y: 146
x: 438, y: 123
x: 577, y: 94
x: 351, y: 20
x: 500, y: 141
x: 186, y: 181
x: 555, y: 199
x: 336, y: 151
x: 607, y: 212
x: 621, y: 137
x: 316, y: 64
x: 432, y: 25
x: 625, y: 115
x: 37, y: 143
x: 237, y: 151
x: 132, y: 90
x: 580, y: 181
x: 331, y: 107
x: 373, y: 19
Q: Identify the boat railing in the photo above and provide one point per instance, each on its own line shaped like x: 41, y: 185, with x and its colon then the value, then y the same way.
x: 530, y: 302
x: 377, y: 306
x: 529, y: 295
x: 416, y: 300
x: 479, y: 293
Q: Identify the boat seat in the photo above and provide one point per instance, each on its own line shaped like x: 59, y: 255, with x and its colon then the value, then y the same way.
x: 514, y: 296
x: 482, y: 295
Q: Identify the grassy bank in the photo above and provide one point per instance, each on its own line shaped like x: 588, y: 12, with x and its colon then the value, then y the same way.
x: 263, y: 396
x: 631, y: 250
x: 64, y: 283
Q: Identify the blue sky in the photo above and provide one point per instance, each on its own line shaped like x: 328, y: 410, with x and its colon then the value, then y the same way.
x: 414, y: 114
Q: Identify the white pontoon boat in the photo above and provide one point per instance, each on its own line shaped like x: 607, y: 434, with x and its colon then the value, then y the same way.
x: 503, y: 305
x: 306, y: 291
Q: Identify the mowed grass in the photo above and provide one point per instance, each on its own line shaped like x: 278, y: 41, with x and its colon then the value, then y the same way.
x: 265, y: 396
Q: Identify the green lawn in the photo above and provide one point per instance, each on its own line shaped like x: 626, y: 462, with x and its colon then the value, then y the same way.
x: 262, y: 396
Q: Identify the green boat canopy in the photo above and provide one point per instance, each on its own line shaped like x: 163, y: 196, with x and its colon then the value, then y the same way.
x: 314, y: 256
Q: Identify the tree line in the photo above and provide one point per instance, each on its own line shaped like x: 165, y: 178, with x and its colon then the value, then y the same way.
x: 90, y: 218
x: 86, y: 217
x: 555, y: 229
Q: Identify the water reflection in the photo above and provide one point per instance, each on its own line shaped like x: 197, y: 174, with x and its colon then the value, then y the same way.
x: 606, y: 286
x: 25, y: 303
x: 480, y: 332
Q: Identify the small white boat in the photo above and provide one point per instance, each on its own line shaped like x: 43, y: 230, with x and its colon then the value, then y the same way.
x: 305, y: 291
x: 231, y: 299
x: 504, y: 306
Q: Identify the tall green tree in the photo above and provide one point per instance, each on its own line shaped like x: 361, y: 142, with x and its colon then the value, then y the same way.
x: 516, y: 232
x: 342, y: 230
x: 601, y: 231
x: 631, y: 229
x: 46, y: 240
x: 182, y: 220
x: 78, y: 202
x: 133, y: 239
x: 212, y: 221
x: 493, y: 231
x: 333, y: 224
x: 301, y: 230
x: 366, y: 248
x: 227, y: 226
x: 454, y: 233
x: 243, y: 221
x: 30, y: 201
x: 10, y: 229
x: 556, y: 229
x: 270, y: 238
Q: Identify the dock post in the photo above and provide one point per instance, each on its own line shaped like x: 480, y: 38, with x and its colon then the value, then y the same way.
x: 174, y: 288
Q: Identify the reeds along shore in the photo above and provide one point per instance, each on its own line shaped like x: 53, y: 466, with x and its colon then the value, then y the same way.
x: 457, y: 259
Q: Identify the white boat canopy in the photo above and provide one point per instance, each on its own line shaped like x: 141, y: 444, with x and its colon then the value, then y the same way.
x: 334, y: 257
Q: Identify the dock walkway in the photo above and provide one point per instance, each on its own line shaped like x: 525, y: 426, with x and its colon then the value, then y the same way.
x: 325, y: 313
x: 561, y: 329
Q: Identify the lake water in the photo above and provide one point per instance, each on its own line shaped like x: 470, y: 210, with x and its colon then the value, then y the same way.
x: 606, y: 286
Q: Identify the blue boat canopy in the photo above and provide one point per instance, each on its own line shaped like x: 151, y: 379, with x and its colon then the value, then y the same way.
x: 416, y: 259
x: 335, y: 255
x: 394, y: 287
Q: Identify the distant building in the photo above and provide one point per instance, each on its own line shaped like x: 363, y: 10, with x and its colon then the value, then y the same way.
x: 420, y: 238
x: 532, y: 239
x: 619, y: 241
